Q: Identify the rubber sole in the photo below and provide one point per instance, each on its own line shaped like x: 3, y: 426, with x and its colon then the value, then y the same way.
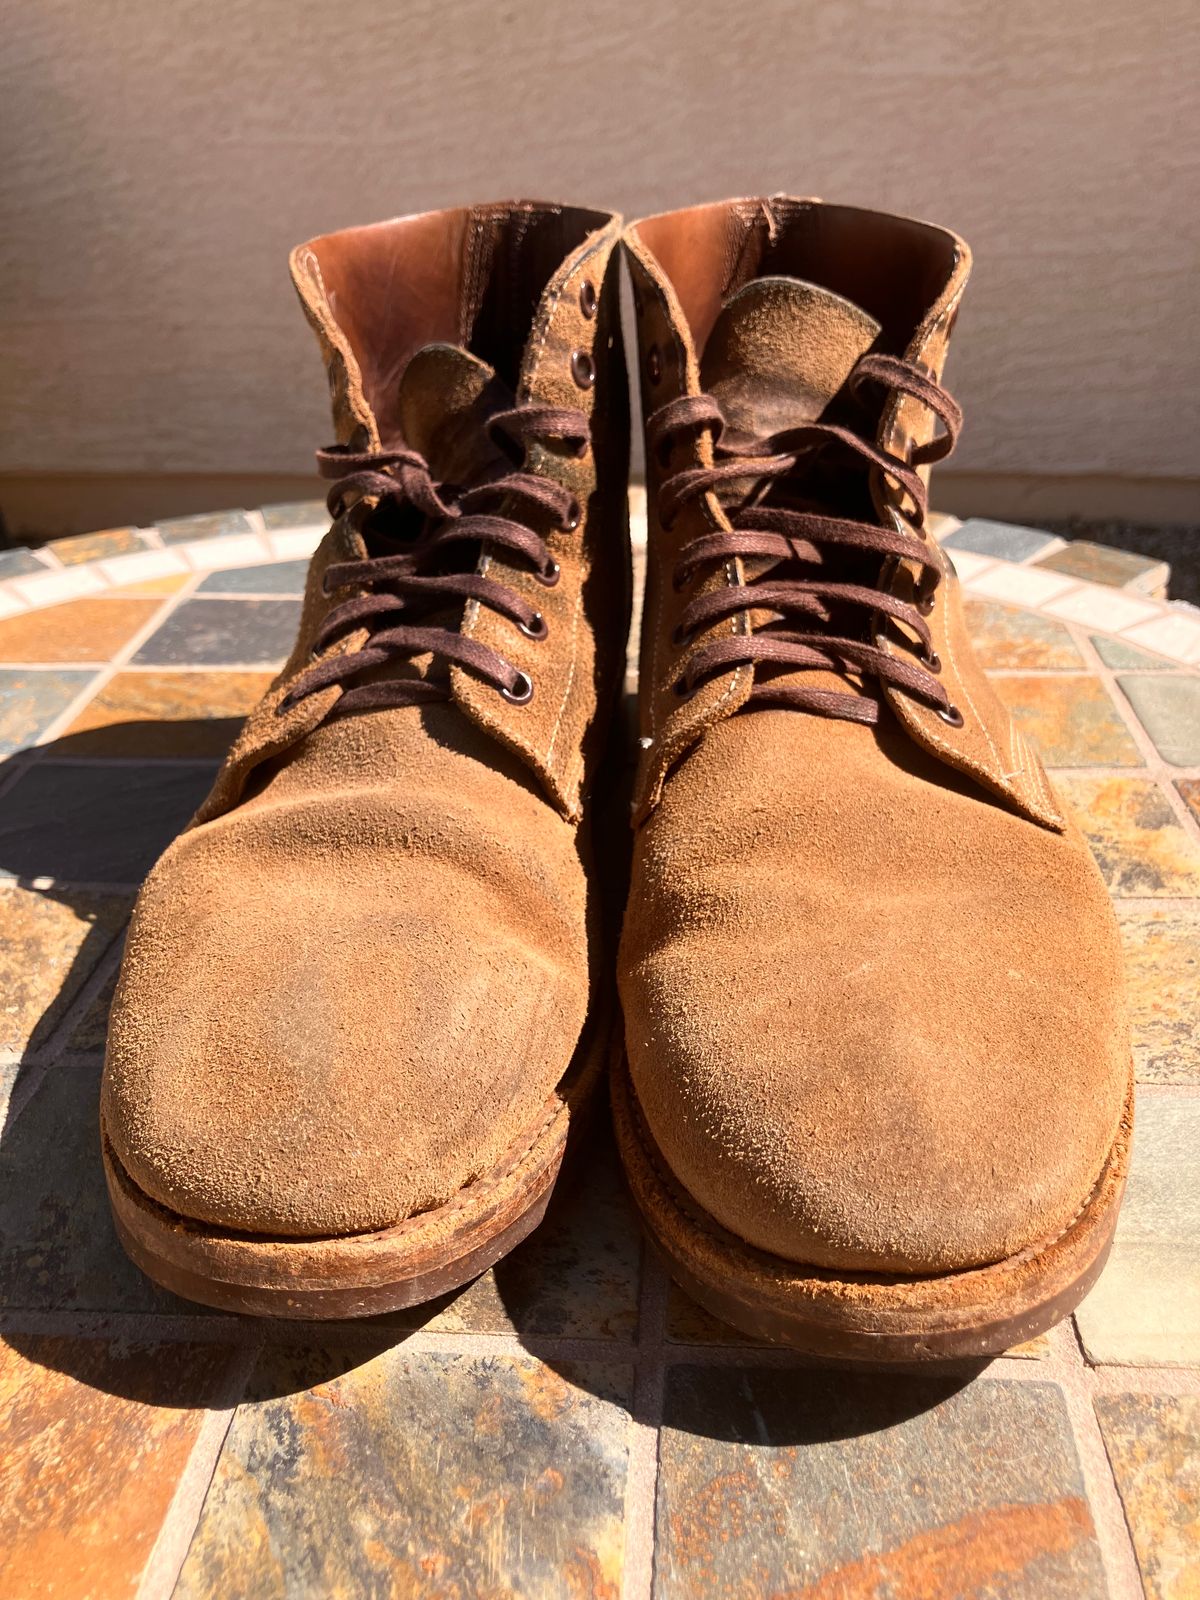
x: 365, y: 1274
x: 862, y: 1317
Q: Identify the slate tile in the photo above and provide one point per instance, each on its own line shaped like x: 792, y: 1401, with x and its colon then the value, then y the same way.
x: 94, y: 1436
x: 162, y: 714
x: 83, y: 547
x: 576, y: 1276
x: 30, y: 701
x: 1169, y: 710
x: 1141, y: 846
x: 1116, y: 569
x: 825, y: 1484
x: 58, y: 1249
x: 17, y: 563
x: 1189, y: 788
x: 1006, y: 541
x: 49, y: 946
x: 213, y: 632
x: 1071, y: 719
x: 418, y: 1474
x: 83, y: 823
x: 1124, y: 657
x: 295, y: 514
x: 210, y: 525
x: 169, y: 583
x: 274, y: 577
x: 90, y: 1033
x: 1153, y: 1443
x: 1145, y: 1310
x: 1005, y: 637
x: 80, y: 630
x: 1162, y: 982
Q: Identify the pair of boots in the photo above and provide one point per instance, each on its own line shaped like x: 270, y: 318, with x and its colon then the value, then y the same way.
x: 872, y: 1091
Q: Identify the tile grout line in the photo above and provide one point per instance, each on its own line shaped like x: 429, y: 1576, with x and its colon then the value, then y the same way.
x: 641, y: 1486
x: 173, y: 1540
x: 38, y: 1063
x: 1100, y: 1485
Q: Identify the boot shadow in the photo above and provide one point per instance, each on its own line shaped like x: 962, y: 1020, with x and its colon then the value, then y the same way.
x: 78, y: 831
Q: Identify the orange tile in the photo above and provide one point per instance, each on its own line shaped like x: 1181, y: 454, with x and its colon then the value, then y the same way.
x: 93, y: 1439
x: 1070, y: 718
x: 170, y: 584
x: 81, y: 630
x: 166, y: 714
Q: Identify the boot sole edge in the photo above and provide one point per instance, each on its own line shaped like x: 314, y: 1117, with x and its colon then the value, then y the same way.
x: 877, y: 1319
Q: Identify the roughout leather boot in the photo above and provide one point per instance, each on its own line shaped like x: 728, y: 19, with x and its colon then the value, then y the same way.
x: 363, y: 994
x: 878, y: 1096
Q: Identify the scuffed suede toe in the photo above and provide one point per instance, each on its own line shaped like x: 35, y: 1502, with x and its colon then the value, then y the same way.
x: 811, y: 1097
x: 332, y: 1050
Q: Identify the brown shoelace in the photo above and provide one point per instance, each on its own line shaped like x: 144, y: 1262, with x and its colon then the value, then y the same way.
x: 407, y: 580
x: 815, y: 624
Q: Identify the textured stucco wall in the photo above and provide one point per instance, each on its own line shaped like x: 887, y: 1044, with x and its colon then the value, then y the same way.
x: 160, y: 157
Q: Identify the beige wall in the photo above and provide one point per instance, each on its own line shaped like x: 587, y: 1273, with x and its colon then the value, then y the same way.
x: 160, y: 157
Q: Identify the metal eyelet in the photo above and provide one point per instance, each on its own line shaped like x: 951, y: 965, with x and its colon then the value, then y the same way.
x: 653, y: 364
x: 582, y: 369
x: 573, y: 518
x: 536, y: 629
x: 587, y: 298
x: 682, y: 689
x: 520, y: 693
x: 550, y: 576
x: 932, y: 662
x: 951, y: 715
x: 681, y: 637
x: 925, y: 605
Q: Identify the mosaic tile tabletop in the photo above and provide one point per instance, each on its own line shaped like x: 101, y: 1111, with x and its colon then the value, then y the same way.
x: 569, y: 1425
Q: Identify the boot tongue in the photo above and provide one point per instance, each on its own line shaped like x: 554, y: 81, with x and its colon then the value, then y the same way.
x: 780, y: 351
x: 445, y: 399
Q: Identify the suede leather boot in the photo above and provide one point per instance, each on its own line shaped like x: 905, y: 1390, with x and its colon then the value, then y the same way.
x: 363, y: 997
x: 877, y: 1100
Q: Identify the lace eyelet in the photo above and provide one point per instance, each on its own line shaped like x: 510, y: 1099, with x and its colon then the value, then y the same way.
x: 951, y: 715
x: 550, y: 576
x: 520, y: 692
x: 537, y: 629
x: 653, y: 364
x: 582, y: 369
x: 573, y: 518
x: 681, y: 637
x: 682, y: 689
x: 587, y: 298
x: 932, y: 662
x: 925, y: 605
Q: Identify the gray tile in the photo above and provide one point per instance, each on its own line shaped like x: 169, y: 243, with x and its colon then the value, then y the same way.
x: 418, y: 1474
x: 1169, y: 710
x: 274, y: 577
x: 1124, y: 657
x: 213, y: 632
x: 295, y: 514
x: 829, y: 1484
x: 84, y: 823
x: 211, y: 525
x: 1145, y: 1310
x: 16, y: 563
x: 1007, y: 541
x: 30, y: 701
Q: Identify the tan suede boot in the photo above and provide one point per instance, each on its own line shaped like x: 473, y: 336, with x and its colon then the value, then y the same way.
x: 878, y: 1099
x: 363, y: 994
